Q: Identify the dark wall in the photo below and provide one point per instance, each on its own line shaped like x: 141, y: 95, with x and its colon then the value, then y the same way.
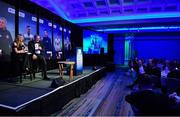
x: 110, y: 48
x: 76, y: 36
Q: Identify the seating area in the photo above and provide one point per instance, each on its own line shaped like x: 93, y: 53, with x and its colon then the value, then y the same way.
x: 159, y: 81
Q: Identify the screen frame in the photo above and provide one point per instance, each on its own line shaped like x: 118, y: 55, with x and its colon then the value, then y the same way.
x: 99, y: 33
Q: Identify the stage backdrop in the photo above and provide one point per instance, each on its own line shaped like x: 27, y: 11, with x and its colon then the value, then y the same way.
x: 67, y: 43
x: 27, y: 19
x: 57, y: 41
x: 45, y: 26
x: 7, y: 30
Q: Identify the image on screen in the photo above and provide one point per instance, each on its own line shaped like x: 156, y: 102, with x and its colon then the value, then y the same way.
x: 79, y: 61
x: 93, y: 42
x: 45, y: 31
x: 67, y: 42
x: 7, y: 30
x: 57, y: 41
x: 27, y: 25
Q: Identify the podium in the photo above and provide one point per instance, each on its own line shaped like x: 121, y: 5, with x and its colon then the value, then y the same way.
x: 79, y: 61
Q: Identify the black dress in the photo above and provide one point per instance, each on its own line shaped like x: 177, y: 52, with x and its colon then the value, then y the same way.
x: 20, y: 61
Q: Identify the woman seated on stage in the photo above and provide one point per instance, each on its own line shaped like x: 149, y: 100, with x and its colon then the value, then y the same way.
x: 19, y: 46
x: 19, y: 54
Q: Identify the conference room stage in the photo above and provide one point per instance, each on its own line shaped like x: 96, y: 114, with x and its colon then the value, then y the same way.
x: 45, y: 97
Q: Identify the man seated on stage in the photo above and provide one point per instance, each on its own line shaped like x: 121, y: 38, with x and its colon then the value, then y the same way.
x: 36, y: 47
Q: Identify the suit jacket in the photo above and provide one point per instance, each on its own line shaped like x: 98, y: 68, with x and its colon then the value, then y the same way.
x: 154, y: 71
x: 174, y: 74
x: 144, y: 67
x: 150, y: 102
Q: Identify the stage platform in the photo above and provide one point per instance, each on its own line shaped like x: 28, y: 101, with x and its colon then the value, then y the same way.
x: 37, y: 97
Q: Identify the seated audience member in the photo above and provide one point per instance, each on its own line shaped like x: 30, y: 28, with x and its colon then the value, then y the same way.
x: 173, y: 65
x: 19, y: 56
x: 160, y: 64
x: 165, y: 71
x: 164, y: 74
x: 178, y: 64
x: 36, y: 47
x: 154, y: 72
x: 149, y: 65
x: 144, y: 62
x: 152, y: 68
x: 140, y: 74
x: 175, y: 97
x: 131, y: 70
x: 130, y: 64
x: 174, y: 74
x: 150, y: 102
x: 135, y: 64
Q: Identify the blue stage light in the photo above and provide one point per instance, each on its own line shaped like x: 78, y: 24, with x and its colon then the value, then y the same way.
x: 131, y: 17
x: 159, y: 28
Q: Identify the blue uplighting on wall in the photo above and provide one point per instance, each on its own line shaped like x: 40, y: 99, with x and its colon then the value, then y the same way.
x: 161, y: 46
x: 130, y: 17
x: 158, y: 28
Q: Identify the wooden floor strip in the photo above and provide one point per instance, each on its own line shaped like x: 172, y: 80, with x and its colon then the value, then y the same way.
x: 105, y: 98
